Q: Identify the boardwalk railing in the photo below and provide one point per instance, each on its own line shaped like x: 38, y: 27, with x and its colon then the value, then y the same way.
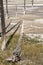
x: 18, y: 6
x: 16, y: 29
x: 16, y: 55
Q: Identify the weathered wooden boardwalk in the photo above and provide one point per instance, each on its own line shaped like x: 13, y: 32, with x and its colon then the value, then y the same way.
x: 33, y: 17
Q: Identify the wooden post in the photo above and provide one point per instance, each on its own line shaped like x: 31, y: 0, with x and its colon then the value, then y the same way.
x: 32, y: 2
x: 7, y: 8
x: 2, y: 25
x: 16, y: 11
x: 24, y: 5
